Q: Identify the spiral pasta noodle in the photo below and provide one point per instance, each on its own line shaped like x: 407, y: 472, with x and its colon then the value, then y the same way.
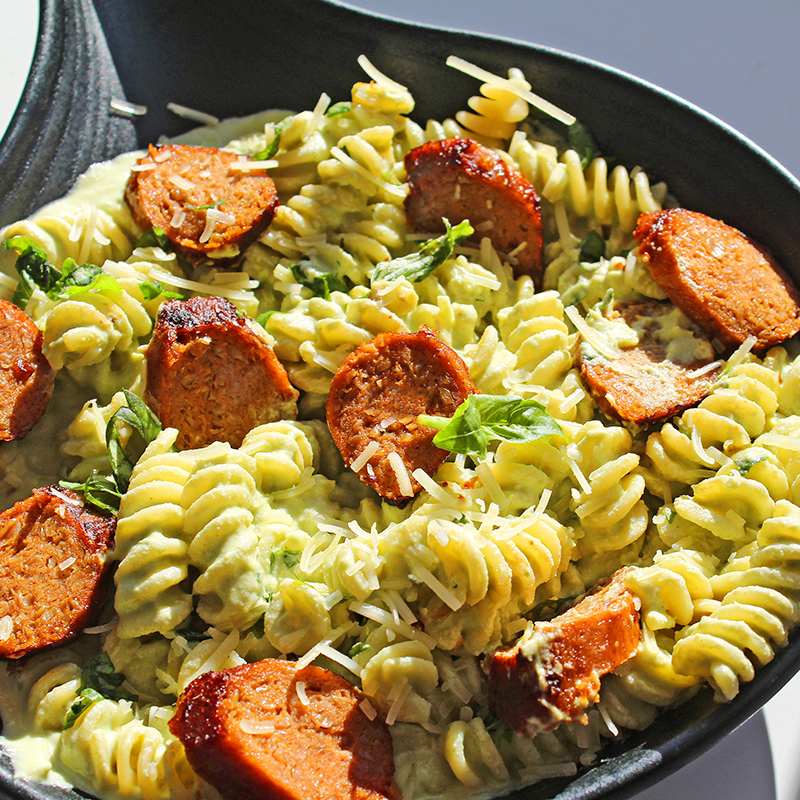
x: 753, y: 619
x: 108, y: 745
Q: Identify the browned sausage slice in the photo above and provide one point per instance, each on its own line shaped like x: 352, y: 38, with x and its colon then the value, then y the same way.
x: 723, y: 281
x: 211, y: 376
x: 26, y: 377
x: 642, y: 385
x: 268, y: 731
x: 460, y: 179
x: 552, y: 674
x: 53, y: 569
x: 174, y: 187
x: 375, y: 399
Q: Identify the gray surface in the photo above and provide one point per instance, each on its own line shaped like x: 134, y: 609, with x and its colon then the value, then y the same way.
x: 738, y: 60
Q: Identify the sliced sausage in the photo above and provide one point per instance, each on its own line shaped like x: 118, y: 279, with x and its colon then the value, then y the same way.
x: 643, y: 385
x: 208, y: 208
x: 377, y: 395
x: 268, y: 731
x: 552, y: 674
x: 26, y: 377
x: 53, y: 569
x: 460, y: 179
x: 722, y: 280
x: 211, y: 376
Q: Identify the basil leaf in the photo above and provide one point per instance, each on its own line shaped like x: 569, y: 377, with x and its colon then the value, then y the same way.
x: 156, y: 289
x: 580, y: 139
x: 141, y: 419
x: 746, y: 463
x: 261, y: 319
x: 101, y: 676
x: 88, y: 697
x: 35, y: 271
x: 484, y: 417
x: 274, y: 145
x: 77, y: 280
x: 321, y: 284
x: 99, y: 681
x: 358, y: 647
x: 433, y: 253
x: 99, y: 490
x: 338, y: 108
x: 155, y: 237
x: 593, y: 247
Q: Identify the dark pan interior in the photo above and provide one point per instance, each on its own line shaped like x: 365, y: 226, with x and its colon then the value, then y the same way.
x: 243, y: 56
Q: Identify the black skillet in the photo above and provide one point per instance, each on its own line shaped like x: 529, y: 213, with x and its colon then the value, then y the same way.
x: 241, y: 56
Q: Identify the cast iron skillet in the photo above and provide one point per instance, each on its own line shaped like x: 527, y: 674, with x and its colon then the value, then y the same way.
x: 240, y: 57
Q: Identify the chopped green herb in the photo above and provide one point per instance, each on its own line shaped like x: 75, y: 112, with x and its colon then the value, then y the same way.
x: 261, y: 319
x: 76, y: 280
x: 98, y: 681
x: 390, y: 177
x: 155, y: 289
x: 101, y: 676
x: 288, y: 558
x: 432, y: 254
x: 548, y: 609
x: 593, y: 247
x: 214, y: 204
x: 484, y: 417
x: 358, y: 647
x: 746, y: 463
x: 155, y: 237
x: 669, y: 515
x: 88, y: 697
x: 275, y: 143
x: 580, y: 139
x: 321, y: 284
x: 35, y: 271
x: 99, y: 490
x: 338, y: 108
x: 141, y: 419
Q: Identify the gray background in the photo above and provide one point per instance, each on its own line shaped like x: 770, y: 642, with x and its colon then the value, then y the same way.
x: 739, y: 60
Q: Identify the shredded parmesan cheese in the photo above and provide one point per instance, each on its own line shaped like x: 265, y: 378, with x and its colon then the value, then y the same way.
x: 590, y: 335
x: 435, y: 490
x: 397, y: 705
x: 202, y: 288
x: 364, y: 456
x: 700, y: 371
x: 67, y: 563
x: 504, y: 83
x: 741, y: 352
x: 369, y: 711
x: 300, y: 688
x: 401, y: 473
x: 192, y: 114
x: 108, y: 626
x: 378, y: 76
x: 697, y: 444
x: 247, y: 166
x: 181, y: 183
x: 332, y: 599
x: 6, y: 627
x: 258, y: 727
x: 178, y: 218
x: 437, y: 587
x: 389, y: 188
x: 125, y: 109
x: 340, y: 658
